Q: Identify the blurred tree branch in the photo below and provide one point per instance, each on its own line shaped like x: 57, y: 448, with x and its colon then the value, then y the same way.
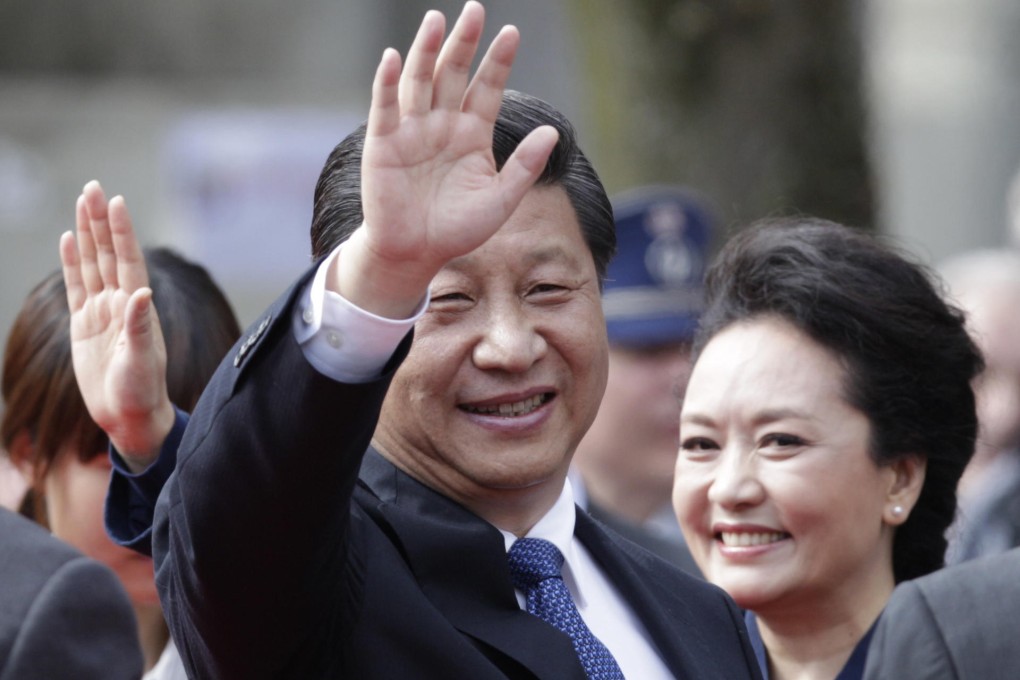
x: 755, y: 103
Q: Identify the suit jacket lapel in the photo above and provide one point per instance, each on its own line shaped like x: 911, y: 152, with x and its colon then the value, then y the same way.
x: 460, y: 562
x: 654, y: 595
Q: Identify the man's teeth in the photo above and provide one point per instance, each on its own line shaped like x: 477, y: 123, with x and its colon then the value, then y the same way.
x: 744, y: 539
x: 517, y: 408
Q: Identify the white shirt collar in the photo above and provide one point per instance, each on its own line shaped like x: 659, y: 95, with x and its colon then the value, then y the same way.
x: 557, y: 527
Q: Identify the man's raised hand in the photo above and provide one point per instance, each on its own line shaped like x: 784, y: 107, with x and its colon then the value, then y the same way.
x: 430, y: 188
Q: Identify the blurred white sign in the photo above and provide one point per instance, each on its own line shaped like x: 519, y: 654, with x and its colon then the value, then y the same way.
x: 242, y: 188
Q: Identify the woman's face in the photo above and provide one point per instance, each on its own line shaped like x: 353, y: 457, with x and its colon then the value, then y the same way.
x: 75, y: 494
x: 779, y: 500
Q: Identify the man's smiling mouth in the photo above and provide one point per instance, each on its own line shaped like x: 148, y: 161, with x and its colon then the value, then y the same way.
x: 510, y: 409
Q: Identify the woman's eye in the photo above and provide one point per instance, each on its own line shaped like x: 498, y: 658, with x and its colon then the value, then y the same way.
x: 698, y: 445
x: 780, y: 440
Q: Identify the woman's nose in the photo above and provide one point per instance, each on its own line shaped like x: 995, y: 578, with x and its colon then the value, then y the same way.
x: 736, y: 483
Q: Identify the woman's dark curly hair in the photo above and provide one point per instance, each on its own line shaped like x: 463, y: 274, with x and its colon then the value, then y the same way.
x: 908, y: 358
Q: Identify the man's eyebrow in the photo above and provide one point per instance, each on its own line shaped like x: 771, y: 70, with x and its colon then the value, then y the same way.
x: 546, y: 254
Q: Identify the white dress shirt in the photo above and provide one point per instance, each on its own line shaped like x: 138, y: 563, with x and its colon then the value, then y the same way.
x: 169, y: 667
x: 351, y: 345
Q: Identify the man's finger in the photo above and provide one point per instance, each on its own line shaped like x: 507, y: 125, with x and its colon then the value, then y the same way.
x: 484, y: 95
x: 415, y: 89
x: 384, y: 112
x: 526, y: 164
x: 454, y: 63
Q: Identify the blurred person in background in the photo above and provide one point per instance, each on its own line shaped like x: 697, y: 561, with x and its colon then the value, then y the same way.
x: 63, y: 616
x: 49, y: 435
x: 986, y: 284
x: 652, y: 299
x: 958, y: 623
x: 827, y: 421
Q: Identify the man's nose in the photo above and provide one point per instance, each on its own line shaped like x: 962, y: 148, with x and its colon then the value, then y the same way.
x: 509, y: 341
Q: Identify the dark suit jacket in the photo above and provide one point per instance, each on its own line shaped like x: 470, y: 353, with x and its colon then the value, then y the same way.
x: 996, y: 525
x: 275, y: 559
x: 674, y: 552
x: 960, y: 623
x: 62, y: 615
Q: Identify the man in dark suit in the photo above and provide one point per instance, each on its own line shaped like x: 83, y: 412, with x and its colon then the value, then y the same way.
x: 345, y: 499
x: 960, y: 623
x: 62, y: 615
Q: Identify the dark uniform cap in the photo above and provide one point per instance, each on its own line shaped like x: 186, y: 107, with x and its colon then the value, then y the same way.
x: 653, y: 293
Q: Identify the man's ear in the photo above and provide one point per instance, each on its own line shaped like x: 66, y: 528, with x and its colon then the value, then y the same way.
x: 907, y: 481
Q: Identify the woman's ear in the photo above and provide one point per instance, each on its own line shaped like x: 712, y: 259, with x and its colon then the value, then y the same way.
x: 20, y: 453
x: 908, y: 479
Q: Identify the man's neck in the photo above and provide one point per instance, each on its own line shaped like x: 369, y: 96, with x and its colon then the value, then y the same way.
x: 514, y: 510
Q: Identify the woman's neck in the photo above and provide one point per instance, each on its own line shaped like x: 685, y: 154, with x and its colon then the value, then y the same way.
x: 814, y: 643
x: 153, y: 633
x: 817, y: 654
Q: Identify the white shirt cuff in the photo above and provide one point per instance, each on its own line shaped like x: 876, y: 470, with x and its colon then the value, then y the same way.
x: 343, y: 341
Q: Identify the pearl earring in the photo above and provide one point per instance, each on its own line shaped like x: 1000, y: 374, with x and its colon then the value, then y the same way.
x: 897, y: 511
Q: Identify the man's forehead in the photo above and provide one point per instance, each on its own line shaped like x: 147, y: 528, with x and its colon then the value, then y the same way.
x: 534, y: 254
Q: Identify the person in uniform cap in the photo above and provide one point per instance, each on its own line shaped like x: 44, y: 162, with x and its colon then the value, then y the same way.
x: 652, y: 300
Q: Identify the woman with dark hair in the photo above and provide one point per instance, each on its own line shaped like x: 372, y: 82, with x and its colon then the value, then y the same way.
x: 827, y: 421
x: 49, y: 435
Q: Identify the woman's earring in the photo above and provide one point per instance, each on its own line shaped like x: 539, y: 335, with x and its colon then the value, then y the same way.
x: 897, y: 511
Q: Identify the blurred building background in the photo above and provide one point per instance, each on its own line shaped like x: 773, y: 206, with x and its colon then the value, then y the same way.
x: 213, y: 117
x: 944, y: 87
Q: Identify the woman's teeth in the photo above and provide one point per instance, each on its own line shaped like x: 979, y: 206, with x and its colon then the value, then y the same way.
x: 744, y: 539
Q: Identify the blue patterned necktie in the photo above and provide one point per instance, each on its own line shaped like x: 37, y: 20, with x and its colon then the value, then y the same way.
x: 535, y: 567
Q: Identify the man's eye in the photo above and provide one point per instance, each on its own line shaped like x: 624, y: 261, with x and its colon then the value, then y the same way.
x: 549, y: 292
x: 450, y: 297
